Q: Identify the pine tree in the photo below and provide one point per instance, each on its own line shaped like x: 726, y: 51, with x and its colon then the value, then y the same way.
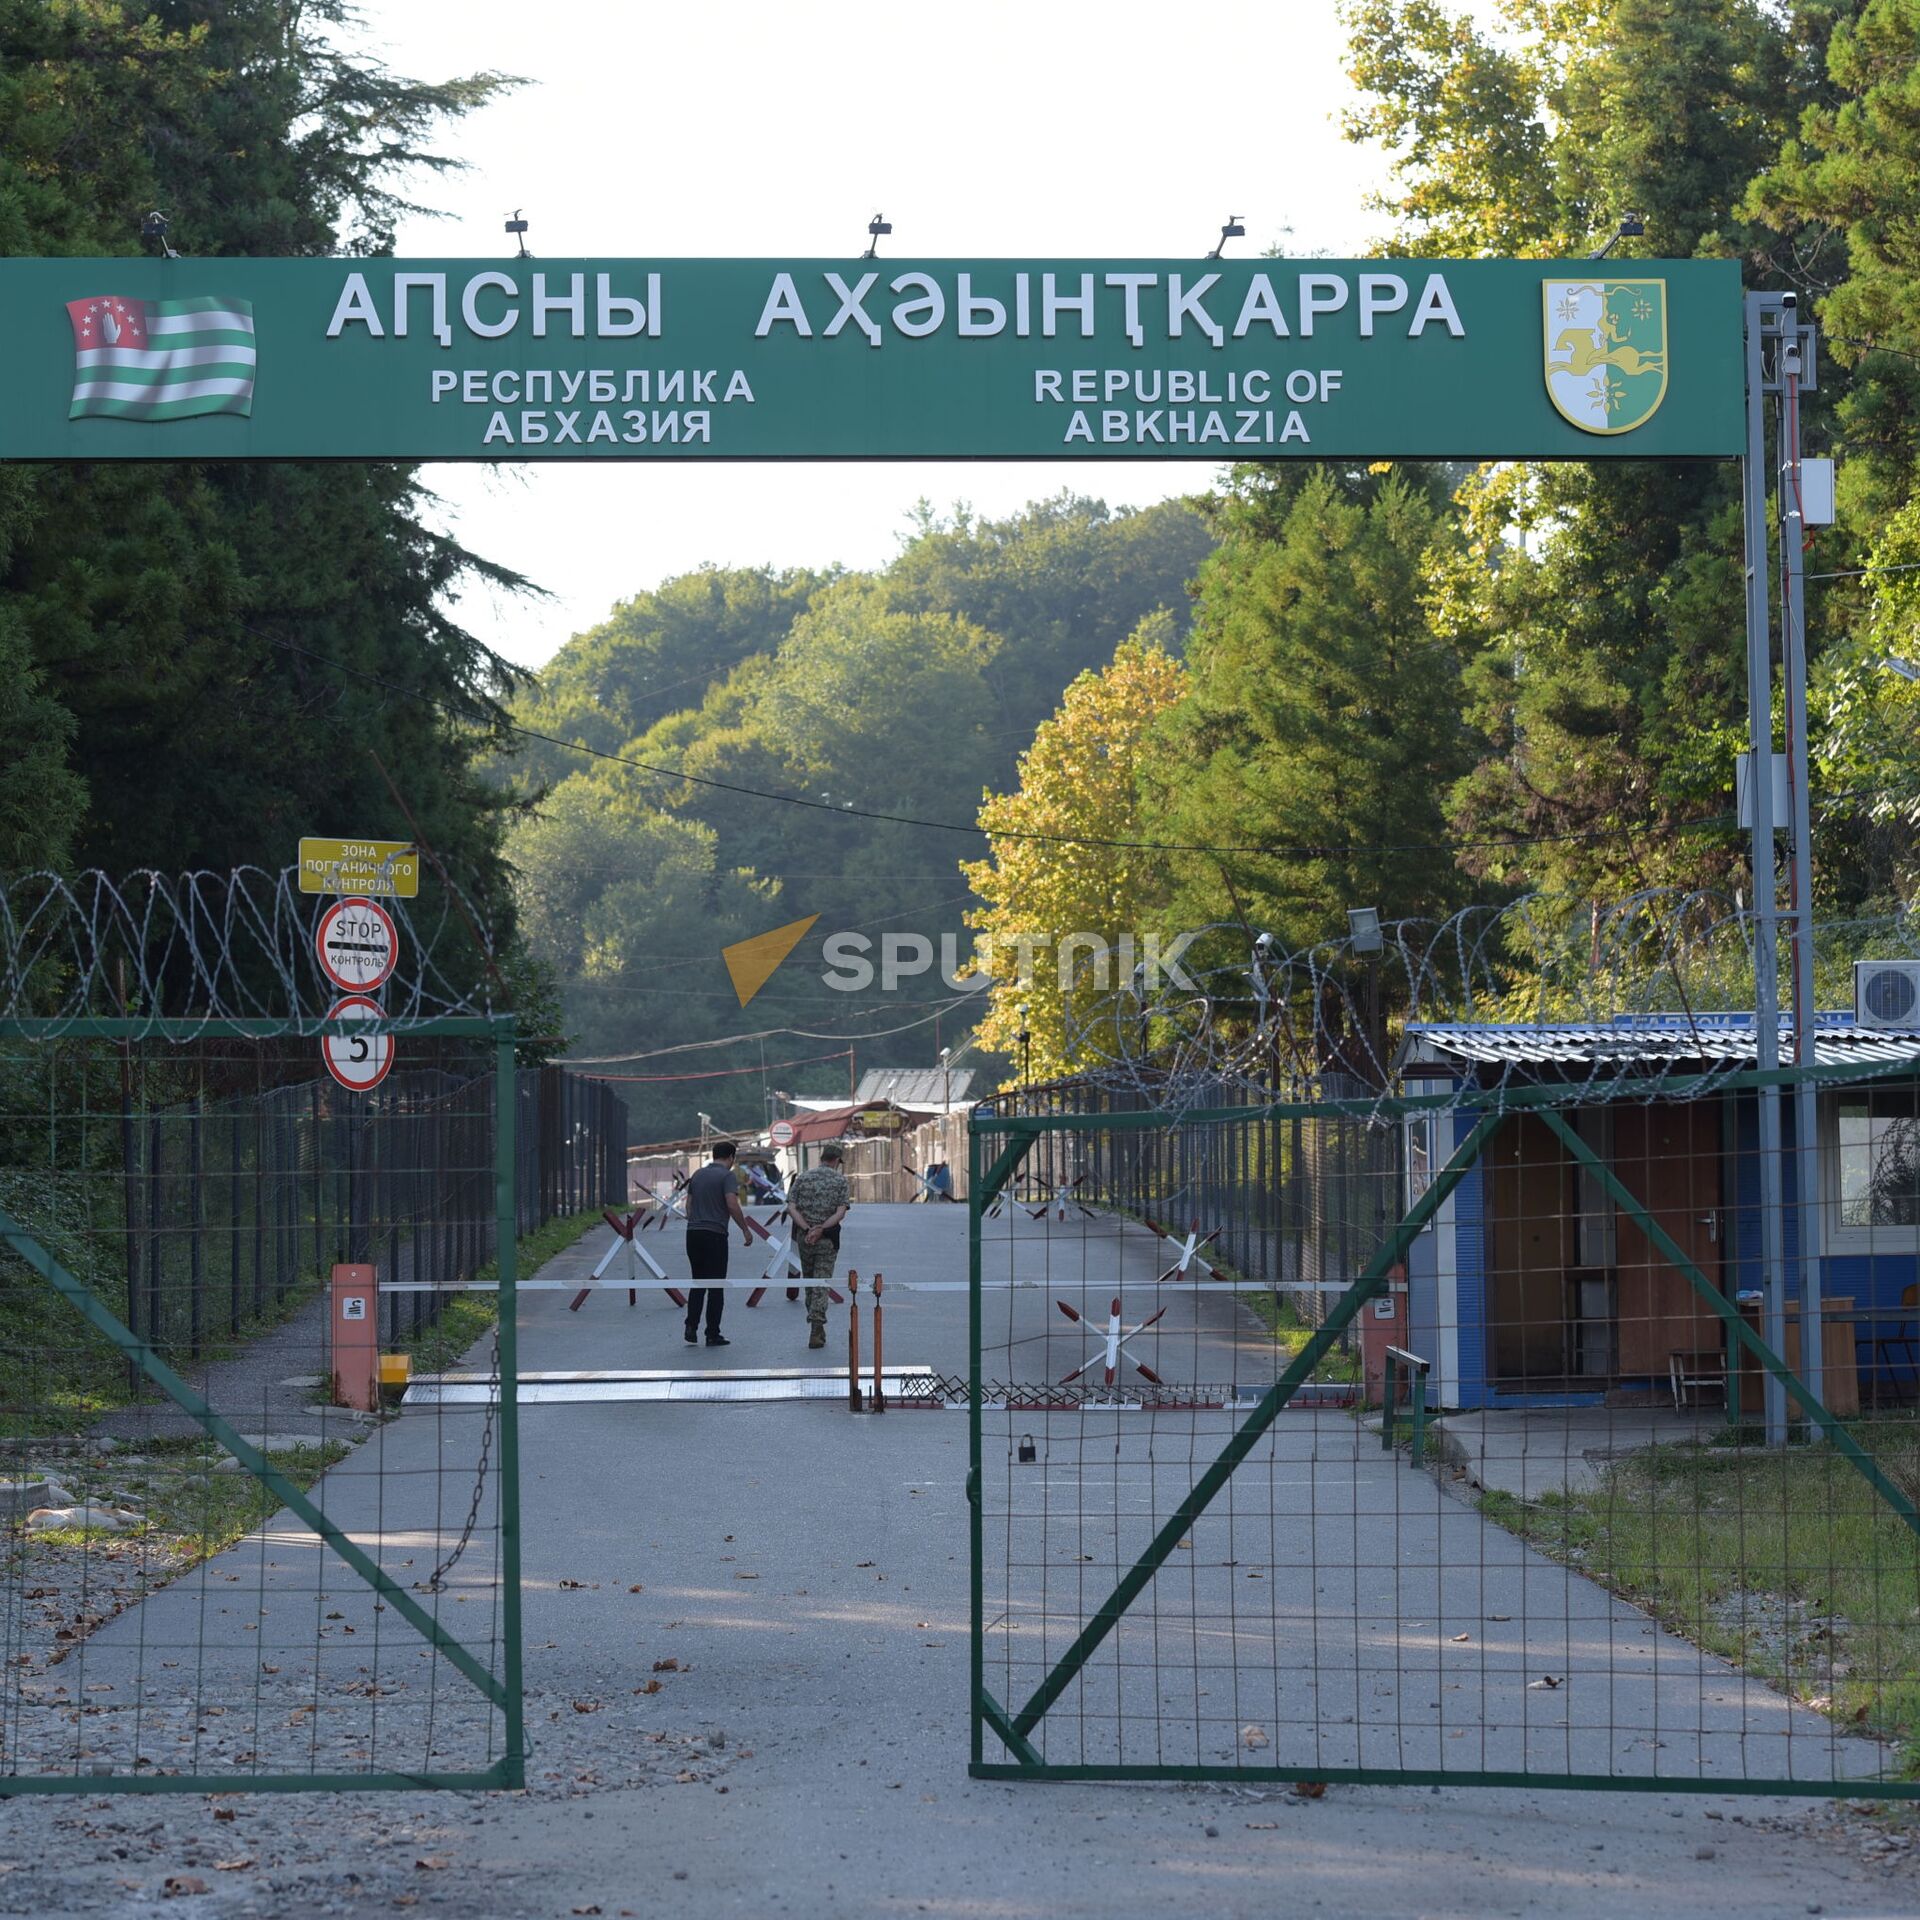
x: 1321, y: 727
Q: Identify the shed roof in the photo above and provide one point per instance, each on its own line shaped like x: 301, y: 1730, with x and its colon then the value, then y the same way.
x: 932, y: 1087
x: 1651, y: 1040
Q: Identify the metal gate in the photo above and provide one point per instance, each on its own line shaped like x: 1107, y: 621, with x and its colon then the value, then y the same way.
x: 1216, y: 1534
x: 215, y: 1579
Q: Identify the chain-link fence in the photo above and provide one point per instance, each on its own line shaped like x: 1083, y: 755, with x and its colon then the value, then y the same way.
x: 226, y: 1563
x: 1299, y: 1199
x: 1585, y: 1456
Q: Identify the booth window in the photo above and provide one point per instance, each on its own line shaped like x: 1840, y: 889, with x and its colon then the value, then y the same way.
x: 1419, y: 1156
x: 1873, y: 1157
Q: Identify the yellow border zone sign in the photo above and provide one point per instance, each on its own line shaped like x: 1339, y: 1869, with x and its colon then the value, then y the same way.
x: 388, y: 867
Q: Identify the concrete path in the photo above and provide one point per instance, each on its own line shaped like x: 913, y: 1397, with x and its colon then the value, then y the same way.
x: 1532, y: 1453
x: 805, y: 1574
x: 268, y: 1385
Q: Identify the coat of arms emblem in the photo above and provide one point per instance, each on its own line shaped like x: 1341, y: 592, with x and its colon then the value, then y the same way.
x: 1606, y: 351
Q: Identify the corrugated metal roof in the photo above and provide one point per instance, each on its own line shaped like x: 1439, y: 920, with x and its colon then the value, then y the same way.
x: 914, y: 1086
x: 1651, y: 1040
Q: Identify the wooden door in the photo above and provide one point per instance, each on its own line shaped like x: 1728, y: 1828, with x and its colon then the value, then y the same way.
x: 1529, y: 1249
x: 1669, y: 1159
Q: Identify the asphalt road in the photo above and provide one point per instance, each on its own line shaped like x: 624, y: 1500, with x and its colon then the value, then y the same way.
x: 806, y: 1574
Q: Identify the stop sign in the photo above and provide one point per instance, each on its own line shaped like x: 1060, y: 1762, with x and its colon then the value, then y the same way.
x: 782, y: 1133
x: 356, y: 942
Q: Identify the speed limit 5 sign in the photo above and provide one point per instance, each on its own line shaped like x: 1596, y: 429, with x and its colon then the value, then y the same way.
x: 359, y: 1061
x: 357, y: 944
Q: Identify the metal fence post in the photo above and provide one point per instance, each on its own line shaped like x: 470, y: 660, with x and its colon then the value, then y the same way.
x: 505, y: 1170
x: 974, y: 1523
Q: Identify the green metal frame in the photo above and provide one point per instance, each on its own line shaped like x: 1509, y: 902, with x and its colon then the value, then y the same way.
x: 506, y: 1691
x: 1013, y: 1728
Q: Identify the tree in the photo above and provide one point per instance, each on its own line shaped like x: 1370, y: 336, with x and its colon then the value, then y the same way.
x: 1599, y: 607
x: 651, y: 658
x: 1845, y: 195
x: 1053, y: 870
x: 1062, y: 583
x: 628, y: 906
x: 292, y: 612
x: 1321, y: 724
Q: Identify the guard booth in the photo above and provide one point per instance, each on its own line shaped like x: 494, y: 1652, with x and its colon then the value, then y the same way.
x: 1532, y: 1289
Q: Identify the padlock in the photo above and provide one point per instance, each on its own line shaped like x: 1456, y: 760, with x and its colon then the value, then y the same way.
x: 1028, y: 1451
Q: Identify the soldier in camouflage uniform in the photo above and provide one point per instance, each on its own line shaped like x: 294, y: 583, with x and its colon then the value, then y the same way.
x: 818, y: 1200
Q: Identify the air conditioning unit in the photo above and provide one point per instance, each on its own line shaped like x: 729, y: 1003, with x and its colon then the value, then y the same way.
x: 1886, y: 993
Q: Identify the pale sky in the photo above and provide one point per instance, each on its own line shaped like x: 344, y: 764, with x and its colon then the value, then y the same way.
x: 1057, y: 128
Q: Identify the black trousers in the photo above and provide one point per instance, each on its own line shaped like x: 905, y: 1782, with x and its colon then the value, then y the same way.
x: 706, y: 1260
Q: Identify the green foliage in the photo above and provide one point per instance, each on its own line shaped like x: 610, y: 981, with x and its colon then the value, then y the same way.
x: 1079, y: 782
x: 1846, y: 195
x: 1062, y: 583
x: 626, y: 905
x: 1600, y: 608
x: 905, y: 692
x: 1533, y: 127
x: 1789, y: 1563
x: 652, y: 658
x: 207, y: 661
x: 1322, y: 719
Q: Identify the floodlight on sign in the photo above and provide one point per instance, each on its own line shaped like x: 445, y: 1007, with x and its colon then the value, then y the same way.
x: 1363, y: 929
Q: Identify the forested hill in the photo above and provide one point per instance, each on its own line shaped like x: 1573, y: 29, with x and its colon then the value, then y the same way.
x: 907, y: 692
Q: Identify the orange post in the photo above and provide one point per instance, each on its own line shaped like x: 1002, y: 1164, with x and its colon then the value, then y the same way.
x: 878, y: 1401
x: 356, y: 1338
x: 853, y: 1341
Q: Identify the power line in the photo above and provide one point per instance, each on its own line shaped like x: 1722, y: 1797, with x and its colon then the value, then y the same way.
x: 1857, y: 573
x: 769, y: 1033
x: 1305, y: 850
x: 719, y: 1073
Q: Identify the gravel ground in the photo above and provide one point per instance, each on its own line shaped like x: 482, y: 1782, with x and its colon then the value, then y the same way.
x: 290, y: 1856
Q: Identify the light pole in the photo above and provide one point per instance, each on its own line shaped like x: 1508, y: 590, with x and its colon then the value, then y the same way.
x: 1363, y: 931
x: 1025, y: 1037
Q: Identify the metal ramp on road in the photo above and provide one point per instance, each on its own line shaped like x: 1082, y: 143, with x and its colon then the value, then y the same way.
x: 664, y: 1384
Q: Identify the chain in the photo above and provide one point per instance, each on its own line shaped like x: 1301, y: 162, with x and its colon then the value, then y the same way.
x: 437, y: 1580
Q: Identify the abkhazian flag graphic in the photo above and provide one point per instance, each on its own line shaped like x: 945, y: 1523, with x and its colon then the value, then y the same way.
x: 161, y: 359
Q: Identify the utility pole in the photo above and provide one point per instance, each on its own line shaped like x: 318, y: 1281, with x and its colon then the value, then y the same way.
x: 1777, y: 348
x: 1766, y: 980
x: 1793, y: 376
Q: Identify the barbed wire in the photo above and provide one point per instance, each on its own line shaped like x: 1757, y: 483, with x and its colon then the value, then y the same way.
x: 1658, y: 986
x: 207, y: 946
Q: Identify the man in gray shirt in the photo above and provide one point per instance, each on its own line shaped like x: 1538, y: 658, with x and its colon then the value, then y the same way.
x: 711, y: 1202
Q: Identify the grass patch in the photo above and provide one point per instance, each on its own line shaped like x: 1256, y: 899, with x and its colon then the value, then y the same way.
x: 189, y: 1512
x: 1785, y: 1562
x: 444, y: 1340
x: 1282, y: 1319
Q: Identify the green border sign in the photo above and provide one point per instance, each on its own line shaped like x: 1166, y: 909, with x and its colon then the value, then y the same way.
x: 136, y: 359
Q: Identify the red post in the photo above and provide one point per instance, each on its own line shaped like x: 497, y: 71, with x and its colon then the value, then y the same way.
x: 356, y: 1338
x: 853, y: 1342
x: 878, y: 1404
